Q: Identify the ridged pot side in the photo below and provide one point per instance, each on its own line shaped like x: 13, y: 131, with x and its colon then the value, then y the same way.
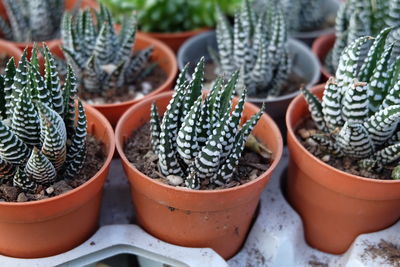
x: 162, y: 55
x: 219, y: 219
x: 51, y: 226
x: 335, y: 206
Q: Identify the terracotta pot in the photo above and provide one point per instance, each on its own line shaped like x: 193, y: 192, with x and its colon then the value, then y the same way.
x: 176, y: 39
x: 69, y: 4
x: 8, y: 49
x: 51, y: 226
x: 335, y: 206
x: 219, y: 219
x: 321, y: 47
x: 161, y: 55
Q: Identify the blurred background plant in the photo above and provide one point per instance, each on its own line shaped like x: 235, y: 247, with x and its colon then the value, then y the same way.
x: 172, y: 15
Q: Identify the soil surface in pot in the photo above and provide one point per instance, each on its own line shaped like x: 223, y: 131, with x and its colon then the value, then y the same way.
x: 135, y: 91
x: 95, y: 158
x: 138, y: 151
x: 307, y: 127
x: 293, y: 84
x: 389, y: 252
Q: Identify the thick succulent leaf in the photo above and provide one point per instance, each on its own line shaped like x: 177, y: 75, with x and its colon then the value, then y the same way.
x: 3, y: 105
x: 39, y: 168
x: 25, y: 122
x: 23, y: 181
x: 75, y: 59
x: 8, y: 83
x: 20, y: 78
x: 382, y: 124
x: 155, y: 128
x: 137, y: 64
x: 241, y: 43
x: 282, y: 73
x: 315, y: 108
x: 331, y: 105
x: 52, y: 81
x: 227, y: 92
x: 115, y: 79
x: 225, y: 43
x: 12, y: 149
x: 354, y: 140
x: 41, y: 26
x: 93, y: 76
x: 127, y: 38
x: 104, y: 50
x: 37, y: 86
x: 327, y: 144
x: 393, y: 96
x: 355, y: 103
x: 388, y: 154
x: 75, y: 166
x: 69, y: 95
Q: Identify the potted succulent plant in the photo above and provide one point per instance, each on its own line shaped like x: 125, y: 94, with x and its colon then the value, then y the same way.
x: 307, y: 19
x: 188, y: 184
x: 271, y: 66
x: 172, y: 21
x: 356, y: 19
x: 113, y: 76
x: 343, y: 177
x: 25, y: 22
x: 47, y: 198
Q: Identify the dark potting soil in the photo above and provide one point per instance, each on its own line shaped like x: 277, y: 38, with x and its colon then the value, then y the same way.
x: 135, y: 91
x: 138, y: 151
x: 307, y: 128
x: 293, y: 84
x: 95, y: 159
x: 389, y: 252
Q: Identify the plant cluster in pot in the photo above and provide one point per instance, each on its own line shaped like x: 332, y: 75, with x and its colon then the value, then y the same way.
x: 307, y: 19
x: 191, y: 183
x: 50, y: 203
x: 24, y: 22
x: 112, y: 75
x: 172, y: 21
x: 356, y: 18
x: 271, y: 67
x: 343, y: 177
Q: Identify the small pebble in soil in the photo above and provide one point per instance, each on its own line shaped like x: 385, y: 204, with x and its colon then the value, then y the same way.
x: 174, y: 180
x: 50, y: 190
x: 326, y: 158
x: 22, y: 198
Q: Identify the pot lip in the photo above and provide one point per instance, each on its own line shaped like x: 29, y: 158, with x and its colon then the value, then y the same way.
x: 171, y: 35
x: 169, y: 55
x: 290, y: 132
x: 316, y: 47
x: 300, y: 48
x: 132, y: 110
x: 109, y: 157
x: 10, y: 49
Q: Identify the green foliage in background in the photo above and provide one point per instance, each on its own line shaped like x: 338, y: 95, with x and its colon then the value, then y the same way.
x: 172, y: 15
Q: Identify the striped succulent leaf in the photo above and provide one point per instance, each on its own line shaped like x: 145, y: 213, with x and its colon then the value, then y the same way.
x: 358, y: 18
x: 199, y: 137
x: 33, y: 20
x: 360, y: 118
x: 103, y: 59
x: 41, y: 140
x: 257, y: 45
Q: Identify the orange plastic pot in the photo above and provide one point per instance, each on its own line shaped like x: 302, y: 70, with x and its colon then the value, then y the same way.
x: 162, y: 55
x: 321, y: 47
x: 8, y: 49
x: 69, y: 4
x: 218, y: 219
x: 47, y: 227
x: 176, y: 39
x: 335, y: 206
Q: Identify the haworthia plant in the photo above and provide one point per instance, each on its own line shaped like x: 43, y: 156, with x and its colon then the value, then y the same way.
x: 201, y: 139
x: 103, y: 59
x: 257, y: 46
x: 360, y: 110
x: 40, y: 139
x: 357, y: 18
x: 302, y: 15
x: 33, y: 20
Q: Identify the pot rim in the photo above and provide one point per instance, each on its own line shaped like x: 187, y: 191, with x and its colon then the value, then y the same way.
x: 10, y: 49
x: 171, y: 74
x: 320, y: 42
x: 298, y: 100
x: 132, y: 110
x: 301, y: 48
x: 109, y: 157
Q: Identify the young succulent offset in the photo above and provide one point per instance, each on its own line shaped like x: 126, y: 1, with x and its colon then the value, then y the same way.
x: 33, y: 20
x: 103, y: 59
x: 257, y: 46
x: 200, y: 139
x: 357, y: 18
x: 41, y: 141
x: 360, y: 110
